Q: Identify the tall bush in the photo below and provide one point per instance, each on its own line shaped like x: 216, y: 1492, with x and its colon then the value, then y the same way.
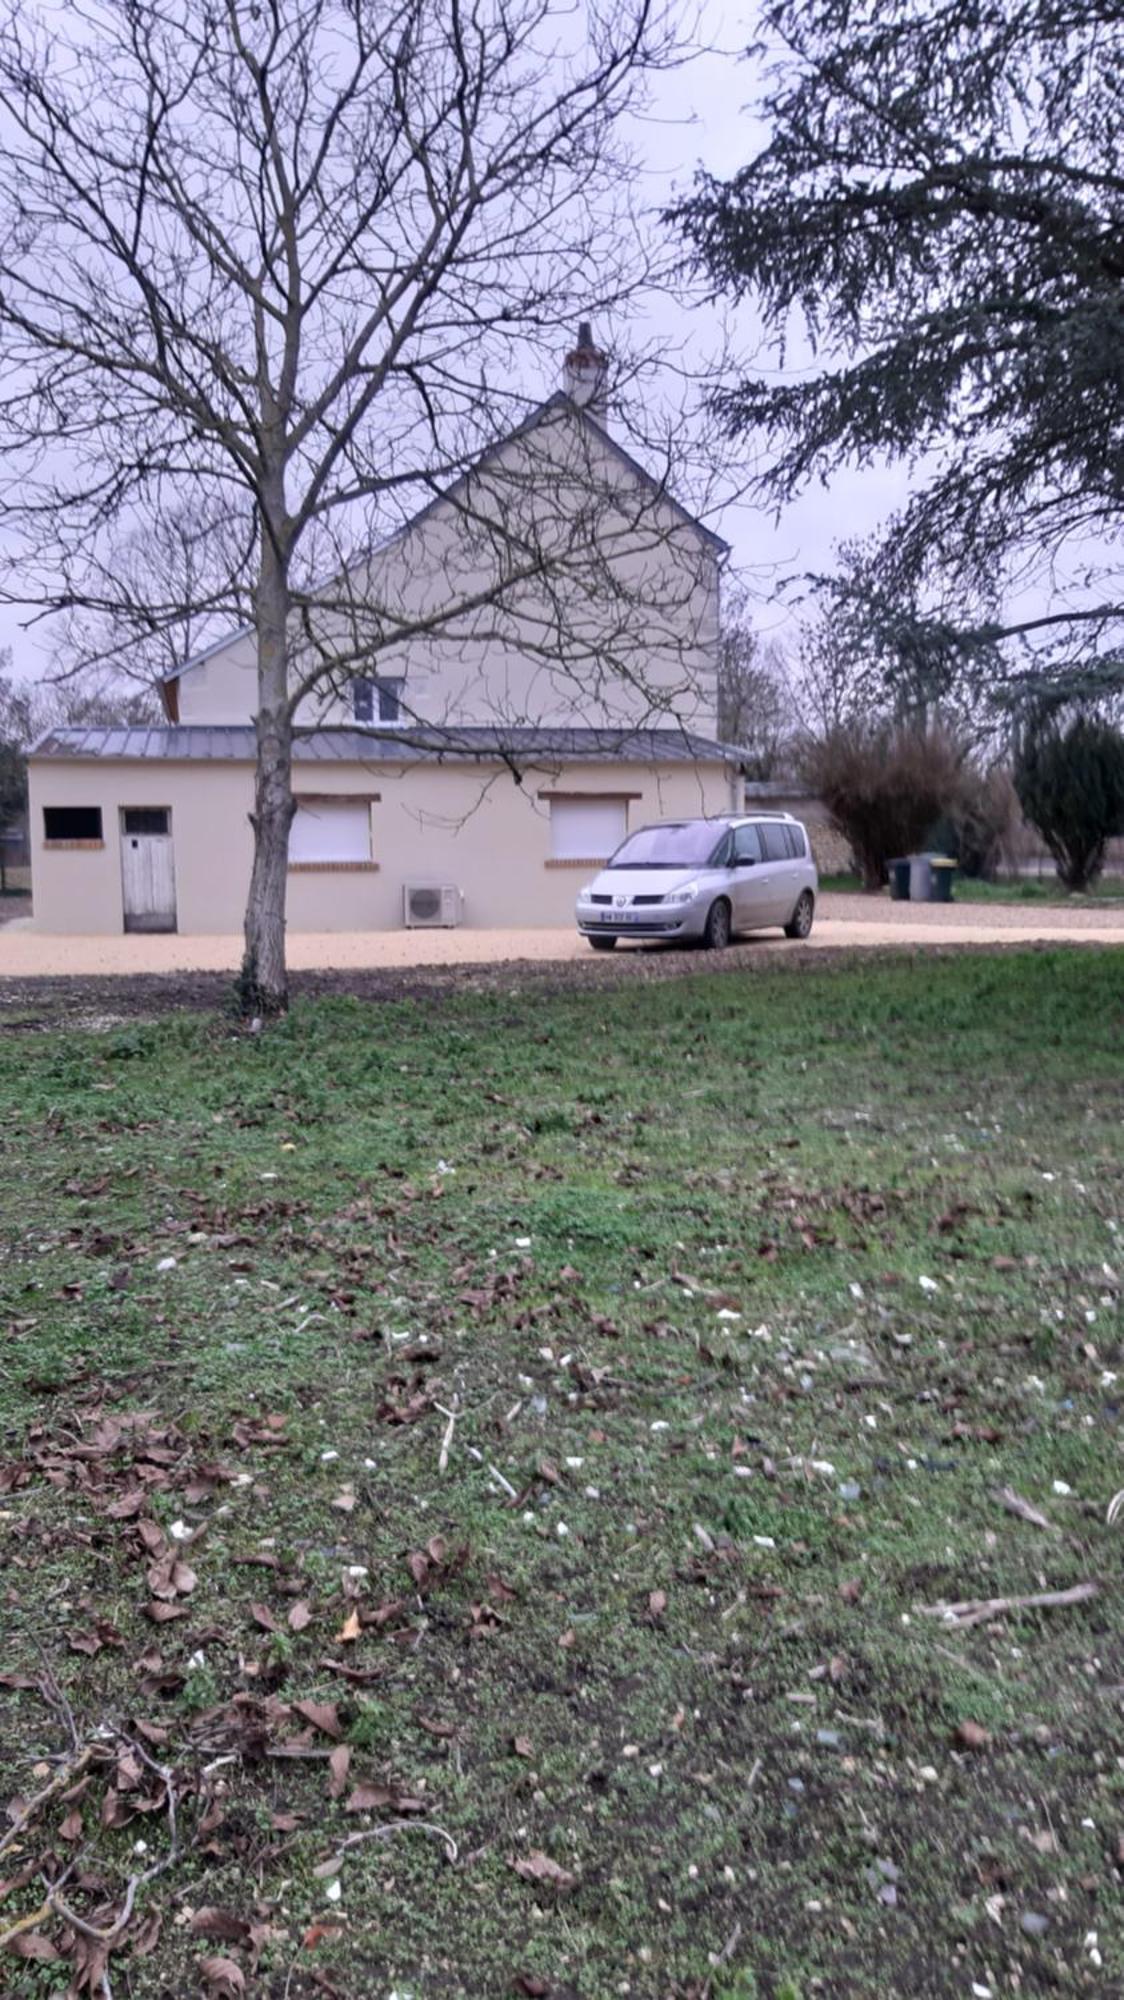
x: 1069, y: 776
x: 981, y: 819
x: 883, y: 786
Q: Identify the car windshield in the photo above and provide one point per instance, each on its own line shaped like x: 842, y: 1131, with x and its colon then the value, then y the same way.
x: 687, y: 844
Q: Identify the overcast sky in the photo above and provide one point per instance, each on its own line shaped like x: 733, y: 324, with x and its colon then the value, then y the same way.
x: 699, y: 117
x: 704, y: 117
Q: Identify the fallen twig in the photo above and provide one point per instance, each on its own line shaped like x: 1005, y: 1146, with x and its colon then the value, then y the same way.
x: 55, y: 1698
x: 1115, y: 1508
x: 63, y: 1778
x: 120, y: 1924
x: 28, y: 1923
x: 501, y: 1481
x: 446, y: 1442
x: 401, y: 1826
x: 979, y: 1610
x: 54, y: 1904
x: 721, y: 1958
x: 1015, y: 1504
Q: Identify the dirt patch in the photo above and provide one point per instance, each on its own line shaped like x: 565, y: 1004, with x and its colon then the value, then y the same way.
x: 28, y: 1005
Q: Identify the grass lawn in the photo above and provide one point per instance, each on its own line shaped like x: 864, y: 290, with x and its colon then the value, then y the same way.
x: 1022, y: 889
x: 528, y: 1428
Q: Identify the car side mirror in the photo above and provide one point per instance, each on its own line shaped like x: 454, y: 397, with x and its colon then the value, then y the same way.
x: 745, y: 861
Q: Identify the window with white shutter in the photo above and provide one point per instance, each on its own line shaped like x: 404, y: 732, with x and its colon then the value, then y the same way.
x: 331, y: 832
x: 587, y: 829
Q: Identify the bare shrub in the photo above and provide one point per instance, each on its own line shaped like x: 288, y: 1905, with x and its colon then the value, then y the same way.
x: 982, y: 819
x: 883, y: 787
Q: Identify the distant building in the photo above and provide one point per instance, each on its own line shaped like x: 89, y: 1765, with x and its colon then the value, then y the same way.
x: 479, y: 767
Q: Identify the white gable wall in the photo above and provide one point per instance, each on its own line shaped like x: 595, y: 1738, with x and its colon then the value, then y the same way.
x: 554, y: 588
x: 223, y: 687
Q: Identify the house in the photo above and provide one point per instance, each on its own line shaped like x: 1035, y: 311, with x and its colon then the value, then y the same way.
x: 492, y: 696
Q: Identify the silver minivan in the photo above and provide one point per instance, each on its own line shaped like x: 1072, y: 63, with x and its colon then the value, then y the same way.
x: 703, y: 880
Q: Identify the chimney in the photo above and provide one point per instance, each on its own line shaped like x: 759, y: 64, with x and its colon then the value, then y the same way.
x: 585, y: 375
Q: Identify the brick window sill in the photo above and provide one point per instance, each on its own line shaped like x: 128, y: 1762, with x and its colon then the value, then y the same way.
x: 612, y: 798
x: 333, y: 867
x: 67, y: 846
x: 590, y: 861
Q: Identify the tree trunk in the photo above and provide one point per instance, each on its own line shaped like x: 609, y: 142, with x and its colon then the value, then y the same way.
x: 263, y: 982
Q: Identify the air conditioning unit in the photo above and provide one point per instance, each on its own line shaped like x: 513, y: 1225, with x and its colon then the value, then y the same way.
x: 429, y: 906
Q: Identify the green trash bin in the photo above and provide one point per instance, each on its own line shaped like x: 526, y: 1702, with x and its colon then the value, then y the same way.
x: 942, y: 870
x: 899, y: 880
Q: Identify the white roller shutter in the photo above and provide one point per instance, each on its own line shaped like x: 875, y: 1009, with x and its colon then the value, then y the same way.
x: 331, y: 830
x: 586, y: 829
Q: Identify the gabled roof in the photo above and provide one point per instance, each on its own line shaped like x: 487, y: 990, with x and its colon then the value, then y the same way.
x: 559, y: 403
x: 234, y: 743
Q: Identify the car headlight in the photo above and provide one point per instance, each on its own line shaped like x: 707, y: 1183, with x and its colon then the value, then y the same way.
x: 586, y: 895
x: 685, y: 895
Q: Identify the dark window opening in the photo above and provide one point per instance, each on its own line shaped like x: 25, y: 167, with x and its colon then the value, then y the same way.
x: 72, y: 823
x: 146, y: 819
x: 774, y: 843
x: 377, y: 700
x: 747, y: 843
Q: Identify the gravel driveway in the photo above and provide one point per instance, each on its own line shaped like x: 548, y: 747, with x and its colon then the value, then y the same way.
x: 845, y: 922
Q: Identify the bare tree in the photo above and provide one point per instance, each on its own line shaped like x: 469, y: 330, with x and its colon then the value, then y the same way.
x: 155, y: 596
x: 27, y: 708
x: 289, y: 259
x: 868, y: 655
x: 754, y: 698
x: 14, y: 738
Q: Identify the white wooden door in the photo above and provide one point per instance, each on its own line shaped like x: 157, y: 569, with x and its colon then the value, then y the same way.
x: 148, y: 875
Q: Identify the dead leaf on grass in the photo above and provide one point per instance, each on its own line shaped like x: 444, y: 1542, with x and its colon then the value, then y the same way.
x: 254, y: 1430
x: 263, y: 1616
x: 349, y: 1630
x: 323, y: 1715
x: 144, y: 1939
x: 368, y: 1797
x: 219, y: 1926
x: 222, y: 1978
x: 972, y: 1736
x: 358, y: 1676
x: 538, y: 1867
x: 339, y: 1764
x: 33, y: 1945
x: 300, y: 1615
x: 316, y: 1933
x: 84, y: 1642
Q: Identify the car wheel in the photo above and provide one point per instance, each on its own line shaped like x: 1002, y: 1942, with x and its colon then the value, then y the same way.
x: 716, y: 935
x: 799, y: 924
x: 603, y: 944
